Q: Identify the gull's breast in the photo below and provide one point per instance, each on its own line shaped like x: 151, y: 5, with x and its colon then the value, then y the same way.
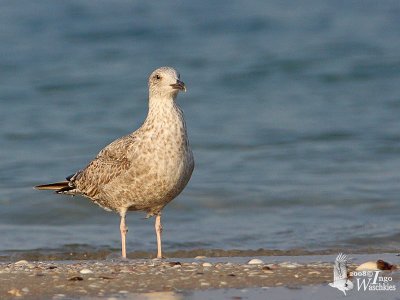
x: 162, y: 169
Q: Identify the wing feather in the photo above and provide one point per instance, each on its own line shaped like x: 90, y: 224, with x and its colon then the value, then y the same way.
x: 110, y: 163
x: 340, y: 268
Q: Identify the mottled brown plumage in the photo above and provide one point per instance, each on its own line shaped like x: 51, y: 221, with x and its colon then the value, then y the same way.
x: 146, y: 169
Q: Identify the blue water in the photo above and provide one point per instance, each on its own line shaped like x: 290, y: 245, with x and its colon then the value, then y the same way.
x: 292, y: 110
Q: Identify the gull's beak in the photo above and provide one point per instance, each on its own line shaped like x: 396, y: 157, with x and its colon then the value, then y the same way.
x: 179, y: 85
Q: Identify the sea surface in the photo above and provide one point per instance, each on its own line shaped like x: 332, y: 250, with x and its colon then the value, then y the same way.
x: 292, y: 108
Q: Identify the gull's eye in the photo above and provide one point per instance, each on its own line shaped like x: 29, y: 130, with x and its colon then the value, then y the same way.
x: 158, y: 77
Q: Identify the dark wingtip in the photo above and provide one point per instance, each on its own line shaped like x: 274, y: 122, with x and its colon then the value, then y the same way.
x: 70, y: 177
x: 53, y: 186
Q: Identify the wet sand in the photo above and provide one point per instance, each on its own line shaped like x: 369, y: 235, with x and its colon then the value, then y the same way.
x: 85, y: 252
x: 173, y: 278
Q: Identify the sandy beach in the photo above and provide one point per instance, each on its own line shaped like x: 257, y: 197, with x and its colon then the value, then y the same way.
x: 194, y: 278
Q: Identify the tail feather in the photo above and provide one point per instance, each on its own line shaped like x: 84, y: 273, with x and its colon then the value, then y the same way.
x: 57, y: 186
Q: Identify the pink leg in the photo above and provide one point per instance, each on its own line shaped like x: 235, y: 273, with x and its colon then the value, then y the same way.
x: 159, y: 229
x: 124, y: 230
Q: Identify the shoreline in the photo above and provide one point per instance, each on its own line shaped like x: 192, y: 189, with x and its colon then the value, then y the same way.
x: 81, y: 253
x: 102, y: 279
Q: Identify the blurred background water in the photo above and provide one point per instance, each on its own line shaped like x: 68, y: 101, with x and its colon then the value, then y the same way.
x: 292, y: 110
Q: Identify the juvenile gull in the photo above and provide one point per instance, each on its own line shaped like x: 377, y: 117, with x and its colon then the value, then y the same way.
x: 144, y: 170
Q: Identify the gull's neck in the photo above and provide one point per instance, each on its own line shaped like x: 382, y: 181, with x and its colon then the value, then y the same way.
x: 163, y: 110
x: 158, y: 103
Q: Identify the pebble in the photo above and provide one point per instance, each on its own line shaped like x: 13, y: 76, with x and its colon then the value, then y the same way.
x: 255, y: 261
x: 124, y: 271
x: 15, y: 292
x: 175, y: 263
x: 21, y: 262
x: 207, y: 264
x: 272, y: 266
x: 290, y: 265
x: 25, y: 290
x: 314, y: 272
x: 253, y: 273
x: 86, y: 271
x: 200, y: 257
x: 75, y: 278
x: 204, y: 284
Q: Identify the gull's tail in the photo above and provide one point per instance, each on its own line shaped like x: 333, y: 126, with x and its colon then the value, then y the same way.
x: 58, y: 187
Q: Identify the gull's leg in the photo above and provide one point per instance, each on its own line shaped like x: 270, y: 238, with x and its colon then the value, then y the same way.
x: 159, y: 229
x: 124, y: 230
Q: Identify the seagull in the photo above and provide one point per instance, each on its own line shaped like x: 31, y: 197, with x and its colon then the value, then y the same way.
x: 144, y: 170
x: 340, y: 279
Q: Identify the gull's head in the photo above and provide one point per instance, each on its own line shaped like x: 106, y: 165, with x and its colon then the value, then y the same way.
x: 165, y: 82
